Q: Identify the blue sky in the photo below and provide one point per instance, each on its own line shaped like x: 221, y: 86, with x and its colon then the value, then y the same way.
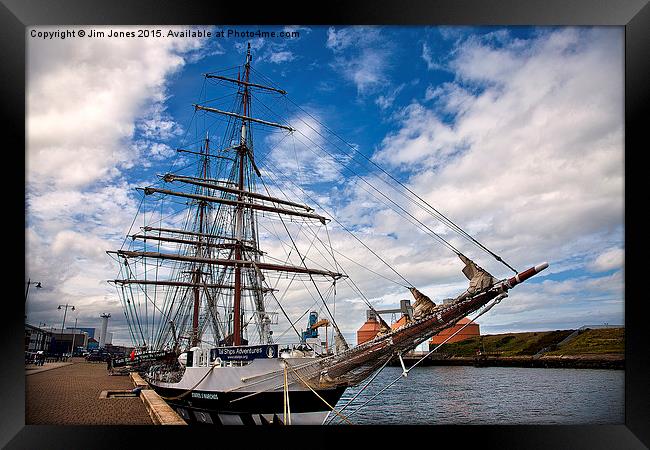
x: 516, y: 133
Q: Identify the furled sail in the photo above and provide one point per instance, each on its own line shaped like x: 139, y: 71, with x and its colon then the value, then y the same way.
x: 479, y: 279
x: 423, y: 304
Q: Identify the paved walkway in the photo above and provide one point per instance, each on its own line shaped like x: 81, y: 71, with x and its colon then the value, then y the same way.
x: 32, y: 368
x: 69, y: 395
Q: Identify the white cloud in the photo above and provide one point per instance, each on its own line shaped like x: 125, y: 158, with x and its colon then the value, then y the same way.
x: 453, y: 33
x: 86, y: 97
x: 151, y: 151
x: 428, y: 58
x: 87, y: 101
x: 361, y: 56
x: 158, y: 124
x: 80, y: 245
x: 536, y: 153
x: 303, y: 155
x: 273, y: 51
x: 450, y: 97
x: 566, y: 304
x: 256, y: 44
x: 524, y: 149
x: 386, y: 101
x: 609, y: 259
x: 280, y: 57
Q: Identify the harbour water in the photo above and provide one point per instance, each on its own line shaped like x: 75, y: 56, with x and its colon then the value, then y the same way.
x: 444, y: 395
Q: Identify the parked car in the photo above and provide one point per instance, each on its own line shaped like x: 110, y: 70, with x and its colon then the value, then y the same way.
x: 40, y: 358
x: 30, y: 357
x: 98, y: 356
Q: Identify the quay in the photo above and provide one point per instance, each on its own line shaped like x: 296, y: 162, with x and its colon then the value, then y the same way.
x: 588, y: 347
x: 78, y: 392
x: 608, y: 361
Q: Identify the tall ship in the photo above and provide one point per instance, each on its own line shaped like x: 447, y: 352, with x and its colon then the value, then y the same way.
x: 222, y: 250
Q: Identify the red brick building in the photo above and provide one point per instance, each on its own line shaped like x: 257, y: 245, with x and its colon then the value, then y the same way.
x: 470, y: 331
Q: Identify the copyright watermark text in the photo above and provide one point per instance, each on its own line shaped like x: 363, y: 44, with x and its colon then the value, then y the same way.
x: 94, y: 33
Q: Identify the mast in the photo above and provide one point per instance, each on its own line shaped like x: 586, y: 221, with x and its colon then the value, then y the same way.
x: 239, y: 220
x: 219, y: 253
x: 199, y: 247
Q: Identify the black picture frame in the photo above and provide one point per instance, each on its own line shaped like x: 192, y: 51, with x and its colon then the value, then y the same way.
x: 634, y: 15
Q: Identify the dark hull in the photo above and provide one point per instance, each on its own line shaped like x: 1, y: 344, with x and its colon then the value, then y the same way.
x: 263, y: 408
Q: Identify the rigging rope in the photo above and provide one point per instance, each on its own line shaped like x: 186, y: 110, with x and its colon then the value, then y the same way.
x: 348, y: 279
x: 408, y: 283
x: 437, y: 214
x: 402, y: 375
x: 287, y: 409
x: 360, y: 391
x: 431, y: 210
x: 317, y: 395
x: 354, y: 173
x: 426, y: 206
x: 334, y: 324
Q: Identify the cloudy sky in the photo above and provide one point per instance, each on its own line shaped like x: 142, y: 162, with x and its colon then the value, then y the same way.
x: 514, y: 133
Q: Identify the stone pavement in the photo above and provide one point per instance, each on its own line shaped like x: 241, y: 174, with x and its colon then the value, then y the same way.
x: 32, y: 368
x: 69, y: 395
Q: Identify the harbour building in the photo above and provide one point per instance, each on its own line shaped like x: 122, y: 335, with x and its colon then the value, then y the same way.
x: 36, y: 339
x: 470, y: 331
x: 461, y: 331
x: 68, y: 341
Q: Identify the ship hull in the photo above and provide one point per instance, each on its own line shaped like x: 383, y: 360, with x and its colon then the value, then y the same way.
x: 248, y: 394
x: 223, y: 408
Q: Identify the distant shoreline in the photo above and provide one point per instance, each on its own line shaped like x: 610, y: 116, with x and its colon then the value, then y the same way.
x: 584, y: 348
x: 600, y: 361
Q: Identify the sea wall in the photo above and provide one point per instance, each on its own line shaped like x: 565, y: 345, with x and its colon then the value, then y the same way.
x: 615, y: 361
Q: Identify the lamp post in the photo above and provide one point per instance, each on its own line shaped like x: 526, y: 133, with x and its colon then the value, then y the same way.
x: 64, y: 314
x: 42, y: 339
x: 74, y: 335
x: 29, y: 281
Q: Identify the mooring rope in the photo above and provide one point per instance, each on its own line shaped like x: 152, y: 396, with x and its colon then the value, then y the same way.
x: 317, y: 395
x: 287, y: 408
x: 178, y: 397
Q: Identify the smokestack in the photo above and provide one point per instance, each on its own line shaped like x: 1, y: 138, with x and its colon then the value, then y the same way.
x: 102, y: 336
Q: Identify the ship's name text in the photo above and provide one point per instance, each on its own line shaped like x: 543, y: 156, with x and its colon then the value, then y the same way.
x: 206, y: 395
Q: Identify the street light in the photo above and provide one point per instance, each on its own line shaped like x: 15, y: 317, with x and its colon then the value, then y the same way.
x: 29, y: 281
x: 74, y: 335
x: 64, y: 314
x: 42, y: 334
